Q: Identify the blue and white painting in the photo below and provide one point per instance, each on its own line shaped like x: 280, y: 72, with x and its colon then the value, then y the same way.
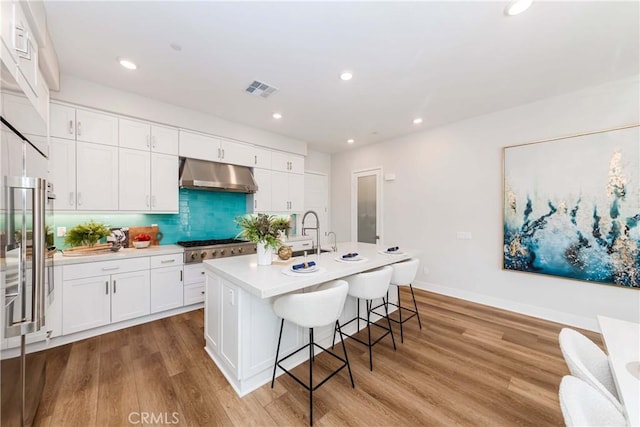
x: 572, y: 207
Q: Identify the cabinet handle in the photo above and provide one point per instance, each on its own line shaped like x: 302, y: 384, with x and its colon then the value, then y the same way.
x: 71, y: 127
x: 148, y: 141
x: 79, y: 128
x: 202, y: 272
x: 223, y: 153
x: 153, y: 201
x: 79, y: 199
x: 255, y: 204
x: 147, y: 200
x: 219, y: 156
x: 181, y: 275
x: 167, y: 261
x: 114, y: 286
x: 202, y: 292
x: 71, y: 198
x: 153, y: 141
x: 110, y: 268
x: 106, y: 287
x: 255, y: 160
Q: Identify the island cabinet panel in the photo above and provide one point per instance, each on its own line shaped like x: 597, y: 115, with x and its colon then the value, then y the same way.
x: 261, y: 327
x: 212, y: 313
x: 229, y: 330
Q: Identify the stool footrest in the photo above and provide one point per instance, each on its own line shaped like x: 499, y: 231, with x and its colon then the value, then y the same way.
x: 310, y: 387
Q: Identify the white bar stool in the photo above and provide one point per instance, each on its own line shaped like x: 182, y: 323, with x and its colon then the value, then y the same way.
x: 310, y: 310
x: 369, y: 286
x: 404, y: 273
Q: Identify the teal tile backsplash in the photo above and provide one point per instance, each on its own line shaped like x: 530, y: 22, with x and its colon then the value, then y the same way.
x: 202, y: 215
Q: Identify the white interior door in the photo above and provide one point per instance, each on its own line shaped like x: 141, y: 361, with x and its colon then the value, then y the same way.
x: 316, y: 198
x: 366, y: 206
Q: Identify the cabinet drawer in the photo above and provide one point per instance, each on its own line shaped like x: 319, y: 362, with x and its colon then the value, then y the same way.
x: 79, y: 271
x: 193, y: 273
x: 193, y: 293
x: 166, y: 260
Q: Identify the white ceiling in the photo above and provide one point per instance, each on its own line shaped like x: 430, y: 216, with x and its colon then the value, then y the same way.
x: 443, y: 61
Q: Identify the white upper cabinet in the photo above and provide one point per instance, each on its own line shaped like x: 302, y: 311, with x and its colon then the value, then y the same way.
x: 96, y: 177
x: 145, y: 136
x: 261, y: 158
x: 203, y: 147
x: 62, y: 172
x: 95, y: 127
x: 164, y: 182
x: 83, y: 125
x: 134, y: 190
x: 262, y: 198
x: 62, y: 122
x: 287, y: 162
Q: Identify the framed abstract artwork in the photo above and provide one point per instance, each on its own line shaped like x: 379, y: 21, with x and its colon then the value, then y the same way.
x: 572, y: 207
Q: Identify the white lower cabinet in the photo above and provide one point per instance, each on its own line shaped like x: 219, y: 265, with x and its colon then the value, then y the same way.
x: 99, y: 293
x: 166, y: 288
x: 193, y: 283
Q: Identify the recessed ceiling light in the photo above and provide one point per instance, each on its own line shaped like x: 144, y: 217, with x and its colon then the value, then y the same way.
x: 128, y: 64
x: 516, y: 7
x: 347, y: 75
x: 417, y: 121
x: 276, y: 116
x: 350, y: 141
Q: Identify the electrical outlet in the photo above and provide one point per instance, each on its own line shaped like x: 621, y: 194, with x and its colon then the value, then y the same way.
x: 464, y: 235
x: 61, y: 231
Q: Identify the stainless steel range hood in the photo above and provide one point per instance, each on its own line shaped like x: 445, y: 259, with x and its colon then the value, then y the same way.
x: 205, y: 175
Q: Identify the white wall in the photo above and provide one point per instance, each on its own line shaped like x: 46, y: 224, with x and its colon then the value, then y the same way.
x: 317, y: 162
x: 89, y: 94
x: 450, y: 179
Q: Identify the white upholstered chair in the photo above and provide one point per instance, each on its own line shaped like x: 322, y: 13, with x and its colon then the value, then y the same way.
x: 404, y: 273
x: 370, y: 286
x: 314, y: 309
x: 584, y: 406
x: 588, y: 362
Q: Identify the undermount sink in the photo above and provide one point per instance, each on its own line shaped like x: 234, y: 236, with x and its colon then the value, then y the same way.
x: 309, y: 252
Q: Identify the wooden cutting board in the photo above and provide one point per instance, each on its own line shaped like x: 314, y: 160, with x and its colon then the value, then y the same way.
x: 152, y: 231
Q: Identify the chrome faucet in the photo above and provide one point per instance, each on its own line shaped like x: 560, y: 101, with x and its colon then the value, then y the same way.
x: 317, y: 228
x: 334, y: 247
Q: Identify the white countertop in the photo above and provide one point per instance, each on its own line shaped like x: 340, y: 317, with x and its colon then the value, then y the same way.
x: 60, y: 259
x: 268, y: 281
x: 622, y: 340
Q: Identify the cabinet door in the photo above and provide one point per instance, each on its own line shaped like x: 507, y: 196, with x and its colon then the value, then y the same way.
x: 96, y: 177
x: 261, y: 158
x: 96, y: 127
x: 62, y: 165
x: 235, y: 153
x: 279, y: 161
x: 212, y: 312
x: 262, y: 198
x: 296, y: 164
x: 296, y: 193
x: 279, y: 191
x: 19, y: 111
x: 134, y: 188
x: 134, y: 134
x: 130, y: 295
x: 196, y: 146
x: 164, y: 182
x: 164, y: 140
x: 166, y: 288
x: 85, y: 304
x: 62, y: 121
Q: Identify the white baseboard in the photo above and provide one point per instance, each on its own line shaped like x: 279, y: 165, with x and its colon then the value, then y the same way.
x: 587, y: 323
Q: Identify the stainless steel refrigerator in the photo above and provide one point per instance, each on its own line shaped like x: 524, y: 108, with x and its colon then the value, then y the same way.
x: 24, y: 259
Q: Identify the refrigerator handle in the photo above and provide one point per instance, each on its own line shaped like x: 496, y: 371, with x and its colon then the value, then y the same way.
x: 39, y: 251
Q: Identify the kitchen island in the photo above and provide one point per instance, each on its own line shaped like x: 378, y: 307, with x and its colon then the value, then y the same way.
x: 241, y: 329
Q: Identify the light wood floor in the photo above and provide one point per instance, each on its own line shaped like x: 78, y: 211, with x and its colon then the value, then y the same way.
x: 469, y: 365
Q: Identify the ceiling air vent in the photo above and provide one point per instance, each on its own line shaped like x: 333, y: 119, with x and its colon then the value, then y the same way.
x: 260, y: 89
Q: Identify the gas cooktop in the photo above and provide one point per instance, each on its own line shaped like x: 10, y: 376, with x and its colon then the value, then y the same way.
x: 209, y: 242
